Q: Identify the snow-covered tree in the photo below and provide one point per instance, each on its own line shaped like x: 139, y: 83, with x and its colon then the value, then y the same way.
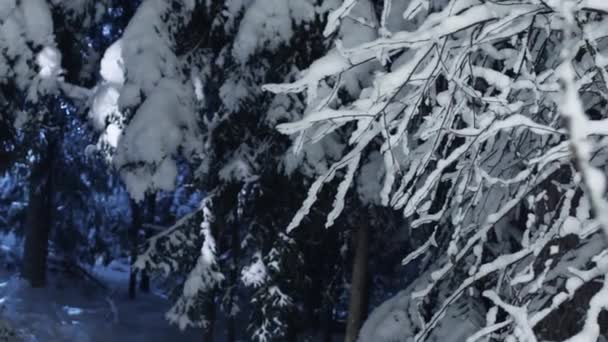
x: 488, y: 120
x: 481, y: 123
x: 183, y: 82
x: 233, y: 156
x: 47, y: 63
x: 30, y: 64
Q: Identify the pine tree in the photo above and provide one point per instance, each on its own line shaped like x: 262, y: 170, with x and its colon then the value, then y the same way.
x: 43, y: 76
x: 241, y: 155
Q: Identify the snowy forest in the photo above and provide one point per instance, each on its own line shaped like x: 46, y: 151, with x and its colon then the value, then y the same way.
x: 303, y: 170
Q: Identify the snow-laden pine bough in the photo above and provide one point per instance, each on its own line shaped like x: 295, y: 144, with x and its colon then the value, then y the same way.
x: 490, y: 119
x: 182, y: 83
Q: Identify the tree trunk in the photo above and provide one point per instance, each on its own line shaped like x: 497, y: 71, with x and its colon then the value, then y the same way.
x: 210, y: 314
x: 7, y: 136
x: 39, y: 219
x: 358, y: 293
x: 133, y: 242
x: 327, y: 323
x: 236, y: 254
x: 133, y: 284
x: 292, y: 329
x: 234, y: 278
x: 144, y: 282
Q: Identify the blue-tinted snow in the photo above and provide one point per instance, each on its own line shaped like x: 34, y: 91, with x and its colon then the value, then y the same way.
x: 72, y: 311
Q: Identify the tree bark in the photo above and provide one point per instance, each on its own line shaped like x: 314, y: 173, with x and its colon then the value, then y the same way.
x: 39, y: 219
x: 358, y: 293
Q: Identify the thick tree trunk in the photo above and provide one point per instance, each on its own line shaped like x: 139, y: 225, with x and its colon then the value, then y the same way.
x: 39, y: 220
x: 36, y: 237
x: 358, y: 294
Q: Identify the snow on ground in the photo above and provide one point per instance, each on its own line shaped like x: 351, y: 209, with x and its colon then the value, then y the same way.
x: 71, y: 310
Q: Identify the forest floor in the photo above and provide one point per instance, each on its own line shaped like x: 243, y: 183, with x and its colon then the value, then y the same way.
x: 73, y: 310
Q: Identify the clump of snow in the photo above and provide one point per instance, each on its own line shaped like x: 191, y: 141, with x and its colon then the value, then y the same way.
x: 105, y: 103
x: 141, y: 74
x: 105, y: 112
x: 49, y: 62
x: 369, y: 182
x: 263, y: 21
x: 112, y: 68
x: 152, y: 143
x: 236, y: 169
x: 112, y: 135
x: 233, y: 90
x: 6, y: 7
x: 147, y: 54
x: 28, y: 56
x: 254, y: 274
x: 571, y: 226
x: 139, y: 180
x: 38, y: 21
x: 198, y: 87
x: 163, y: 125
x: 267, y: 24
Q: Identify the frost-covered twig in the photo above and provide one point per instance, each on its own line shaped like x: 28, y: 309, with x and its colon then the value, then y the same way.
x: 466, y: 121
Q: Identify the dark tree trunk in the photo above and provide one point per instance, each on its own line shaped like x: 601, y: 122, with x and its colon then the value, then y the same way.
x: 236, y: 252
x: 36, y: 238
x: 39, y: 219
x: 6, y: 160
x: 144, y: 282
x: 327, y: 323
x: 136, y: 224
x: 7, y: 138
x: 292, y: 329
x: 358, y: 293
x: 231, y: 329
x: 210, y: 314
x: 133, y: 284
